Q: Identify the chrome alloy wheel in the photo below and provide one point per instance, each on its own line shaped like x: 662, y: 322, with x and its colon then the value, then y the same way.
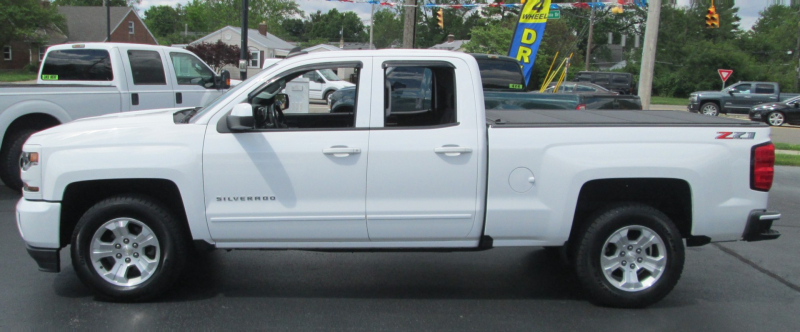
x: 125, y: 252
x: 775, y: 119
x: 710, y: 109
x: 633, y: 258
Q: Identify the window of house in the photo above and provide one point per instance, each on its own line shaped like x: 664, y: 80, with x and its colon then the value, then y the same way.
x: 7, y: 53
x: 42, y: 51
x: 419, y: 96
x: 130, y: 27
x: 147, y: 68
x: 271, y: 112
x: 189, y: 70
x: 78, y: 65
x: 255, y: 59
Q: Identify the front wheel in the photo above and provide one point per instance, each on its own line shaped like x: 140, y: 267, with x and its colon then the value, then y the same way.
x: 711, y: 109
x: 776, y: 119
x: 129, y: 248
x: 630, y: 256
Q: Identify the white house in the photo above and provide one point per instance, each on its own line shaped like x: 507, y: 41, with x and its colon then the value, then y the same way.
x: 260, y: 43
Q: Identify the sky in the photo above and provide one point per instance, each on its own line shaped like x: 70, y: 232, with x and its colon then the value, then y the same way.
x: 748, y: 9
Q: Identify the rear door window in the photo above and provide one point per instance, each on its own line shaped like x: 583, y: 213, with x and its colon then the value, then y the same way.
x: 601, y: 79
x: 501, y: 75
x: 765, y: 88
x: 147, y: 68
x: 584, y: 88
x: 77, y: 65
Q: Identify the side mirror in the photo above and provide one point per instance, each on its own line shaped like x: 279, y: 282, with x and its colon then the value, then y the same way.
x: 241, y: 118
x: 283, y: 99
x: 730, y: 92
x: 223, y: 80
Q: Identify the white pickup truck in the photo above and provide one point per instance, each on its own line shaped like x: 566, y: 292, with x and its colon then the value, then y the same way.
x: 621, y: 192
x: 82, y: 80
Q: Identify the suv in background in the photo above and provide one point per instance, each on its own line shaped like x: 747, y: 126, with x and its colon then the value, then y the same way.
x: 619, y: 82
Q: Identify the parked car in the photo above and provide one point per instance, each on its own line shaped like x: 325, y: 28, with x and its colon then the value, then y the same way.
x: 578, y: 87
x: 618, y: 82
x: 777, y: 114
x: 737, y: 98
x: 82, y: 80
x: 620, y: 191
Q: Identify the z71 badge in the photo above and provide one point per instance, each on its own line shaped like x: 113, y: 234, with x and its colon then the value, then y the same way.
x: 736, y: 135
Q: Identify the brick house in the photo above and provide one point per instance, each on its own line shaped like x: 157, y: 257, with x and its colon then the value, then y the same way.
x: 84, y: 24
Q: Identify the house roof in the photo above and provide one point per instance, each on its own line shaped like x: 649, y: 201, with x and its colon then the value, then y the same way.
x: 88, y: 23
x: 268, y: 41
x: 325, y: 47
x: 450, y: 46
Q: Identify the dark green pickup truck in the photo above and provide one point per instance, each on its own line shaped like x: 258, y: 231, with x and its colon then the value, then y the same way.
x: 737, y: 98
x: 503, y: 86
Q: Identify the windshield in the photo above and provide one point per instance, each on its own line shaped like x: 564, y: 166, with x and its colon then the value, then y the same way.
x: 329, y: 75
x: 792, y: 100
x: 201, y: 111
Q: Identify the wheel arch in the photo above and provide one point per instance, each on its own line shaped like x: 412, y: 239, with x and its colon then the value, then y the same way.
x: 671, y: 196
x: 78, y: 197
x: 31, y: 114
x: 714, y: 101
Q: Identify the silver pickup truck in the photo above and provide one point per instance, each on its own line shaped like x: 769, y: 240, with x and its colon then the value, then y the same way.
x: 82, y: 80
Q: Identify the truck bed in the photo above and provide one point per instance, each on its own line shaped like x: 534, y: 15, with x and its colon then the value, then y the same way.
x: 593, y: 118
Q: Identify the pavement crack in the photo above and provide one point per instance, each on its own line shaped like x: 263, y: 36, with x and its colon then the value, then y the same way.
x: 758, y: 268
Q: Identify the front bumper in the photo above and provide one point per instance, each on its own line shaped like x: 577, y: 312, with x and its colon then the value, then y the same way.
x: 759, y: 226
x: 39, y: 225
x: 692, y: 107
x: 755, y: 116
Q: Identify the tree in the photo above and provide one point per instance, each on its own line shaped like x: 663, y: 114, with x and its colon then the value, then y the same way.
x: 163, y: 20
x: 217, y: 55
x: 328, y: 26
x: 388, y: 28
x: 27, y: 20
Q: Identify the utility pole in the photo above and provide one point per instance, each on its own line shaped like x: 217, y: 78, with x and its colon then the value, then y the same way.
x: 591, y: 35
x: 243, y: 63
x: 371, y: 25
x: 108, y: 21
x: 409, y: 26
x: 649, y: 52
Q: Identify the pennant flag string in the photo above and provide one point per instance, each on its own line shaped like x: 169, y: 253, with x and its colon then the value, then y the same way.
x: 578, y: 5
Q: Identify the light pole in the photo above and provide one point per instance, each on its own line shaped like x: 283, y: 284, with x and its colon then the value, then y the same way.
x: 371, y: 26
x: 591, y: 35
x: 108, y: 21
x: 649, y: 52
x: 243, y: 60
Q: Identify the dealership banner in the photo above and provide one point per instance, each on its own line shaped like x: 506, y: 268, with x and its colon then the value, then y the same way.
x: 528, y: 34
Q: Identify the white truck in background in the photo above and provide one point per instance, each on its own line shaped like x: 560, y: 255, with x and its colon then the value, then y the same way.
x: 620, y: 193
x: 82, y: 80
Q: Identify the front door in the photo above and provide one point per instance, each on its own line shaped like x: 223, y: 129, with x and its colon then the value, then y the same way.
x: 148, y: 87
x: 740, y: 99
x: 422, y: 175
x: 300, y: 184
x: 193, y: 80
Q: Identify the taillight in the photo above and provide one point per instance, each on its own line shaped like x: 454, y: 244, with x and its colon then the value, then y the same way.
x: 581, y: 107
x: 762, y: 166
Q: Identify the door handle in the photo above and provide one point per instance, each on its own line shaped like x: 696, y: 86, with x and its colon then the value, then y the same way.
x: 178, y: 98
x: 452, y: 151
x: 341, y: 151
x: 134, y: 99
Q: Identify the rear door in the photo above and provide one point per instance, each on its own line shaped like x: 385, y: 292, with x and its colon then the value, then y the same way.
x: 193, y: 81
x: 422, y: 173
x: 765, y: 93
x: 145, y: 73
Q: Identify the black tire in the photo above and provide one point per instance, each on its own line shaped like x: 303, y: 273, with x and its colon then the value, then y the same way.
x: 712, y: 107
x: 171, y: 234
x: 327, y: 95
x: 592, y: 243
x: 775, y: 119
x: 9, y: 158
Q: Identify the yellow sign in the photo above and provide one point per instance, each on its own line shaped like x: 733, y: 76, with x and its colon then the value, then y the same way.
x: 535, y: 11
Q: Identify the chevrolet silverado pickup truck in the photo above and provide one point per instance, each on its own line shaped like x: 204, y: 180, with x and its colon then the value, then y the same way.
x: 82, y: 80
x: 737, y: 98
x: 618, y: 193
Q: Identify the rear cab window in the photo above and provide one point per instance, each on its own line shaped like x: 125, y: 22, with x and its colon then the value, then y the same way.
x: 147, y: 68
x: 77, y: 65
x: 419, y: 95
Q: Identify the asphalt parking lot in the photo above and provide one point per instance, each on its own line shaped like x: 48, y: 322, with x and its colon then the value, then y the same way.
x: 724, y: 287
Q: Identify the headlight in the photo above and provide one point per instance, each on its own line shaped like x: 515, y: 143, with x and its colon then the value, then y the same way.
x: 28, y: 159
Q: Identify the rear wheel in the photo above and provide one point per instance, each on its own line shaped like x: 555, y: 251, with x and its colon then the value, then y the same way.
x: 630, y: 256
x: 129, y: 248
x: 776, y: 119
x: 328, y: 97
x: 9, y: 158
x: 710, y: 108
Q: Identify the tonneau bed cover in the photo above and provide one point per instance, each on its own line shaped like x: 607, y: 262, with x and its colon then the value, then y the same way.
x: 610, y: 118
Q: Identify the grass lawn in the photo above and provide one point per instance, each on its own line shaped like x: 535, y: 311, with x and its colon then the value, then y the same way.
x: 669, y: 101
x: 16, y: 76
x: 787, y: 159
x: 787, y: 146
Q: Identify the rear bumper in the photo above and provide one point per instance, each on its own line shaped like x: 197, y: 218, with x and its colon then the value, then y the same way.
x: 759, y: 226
